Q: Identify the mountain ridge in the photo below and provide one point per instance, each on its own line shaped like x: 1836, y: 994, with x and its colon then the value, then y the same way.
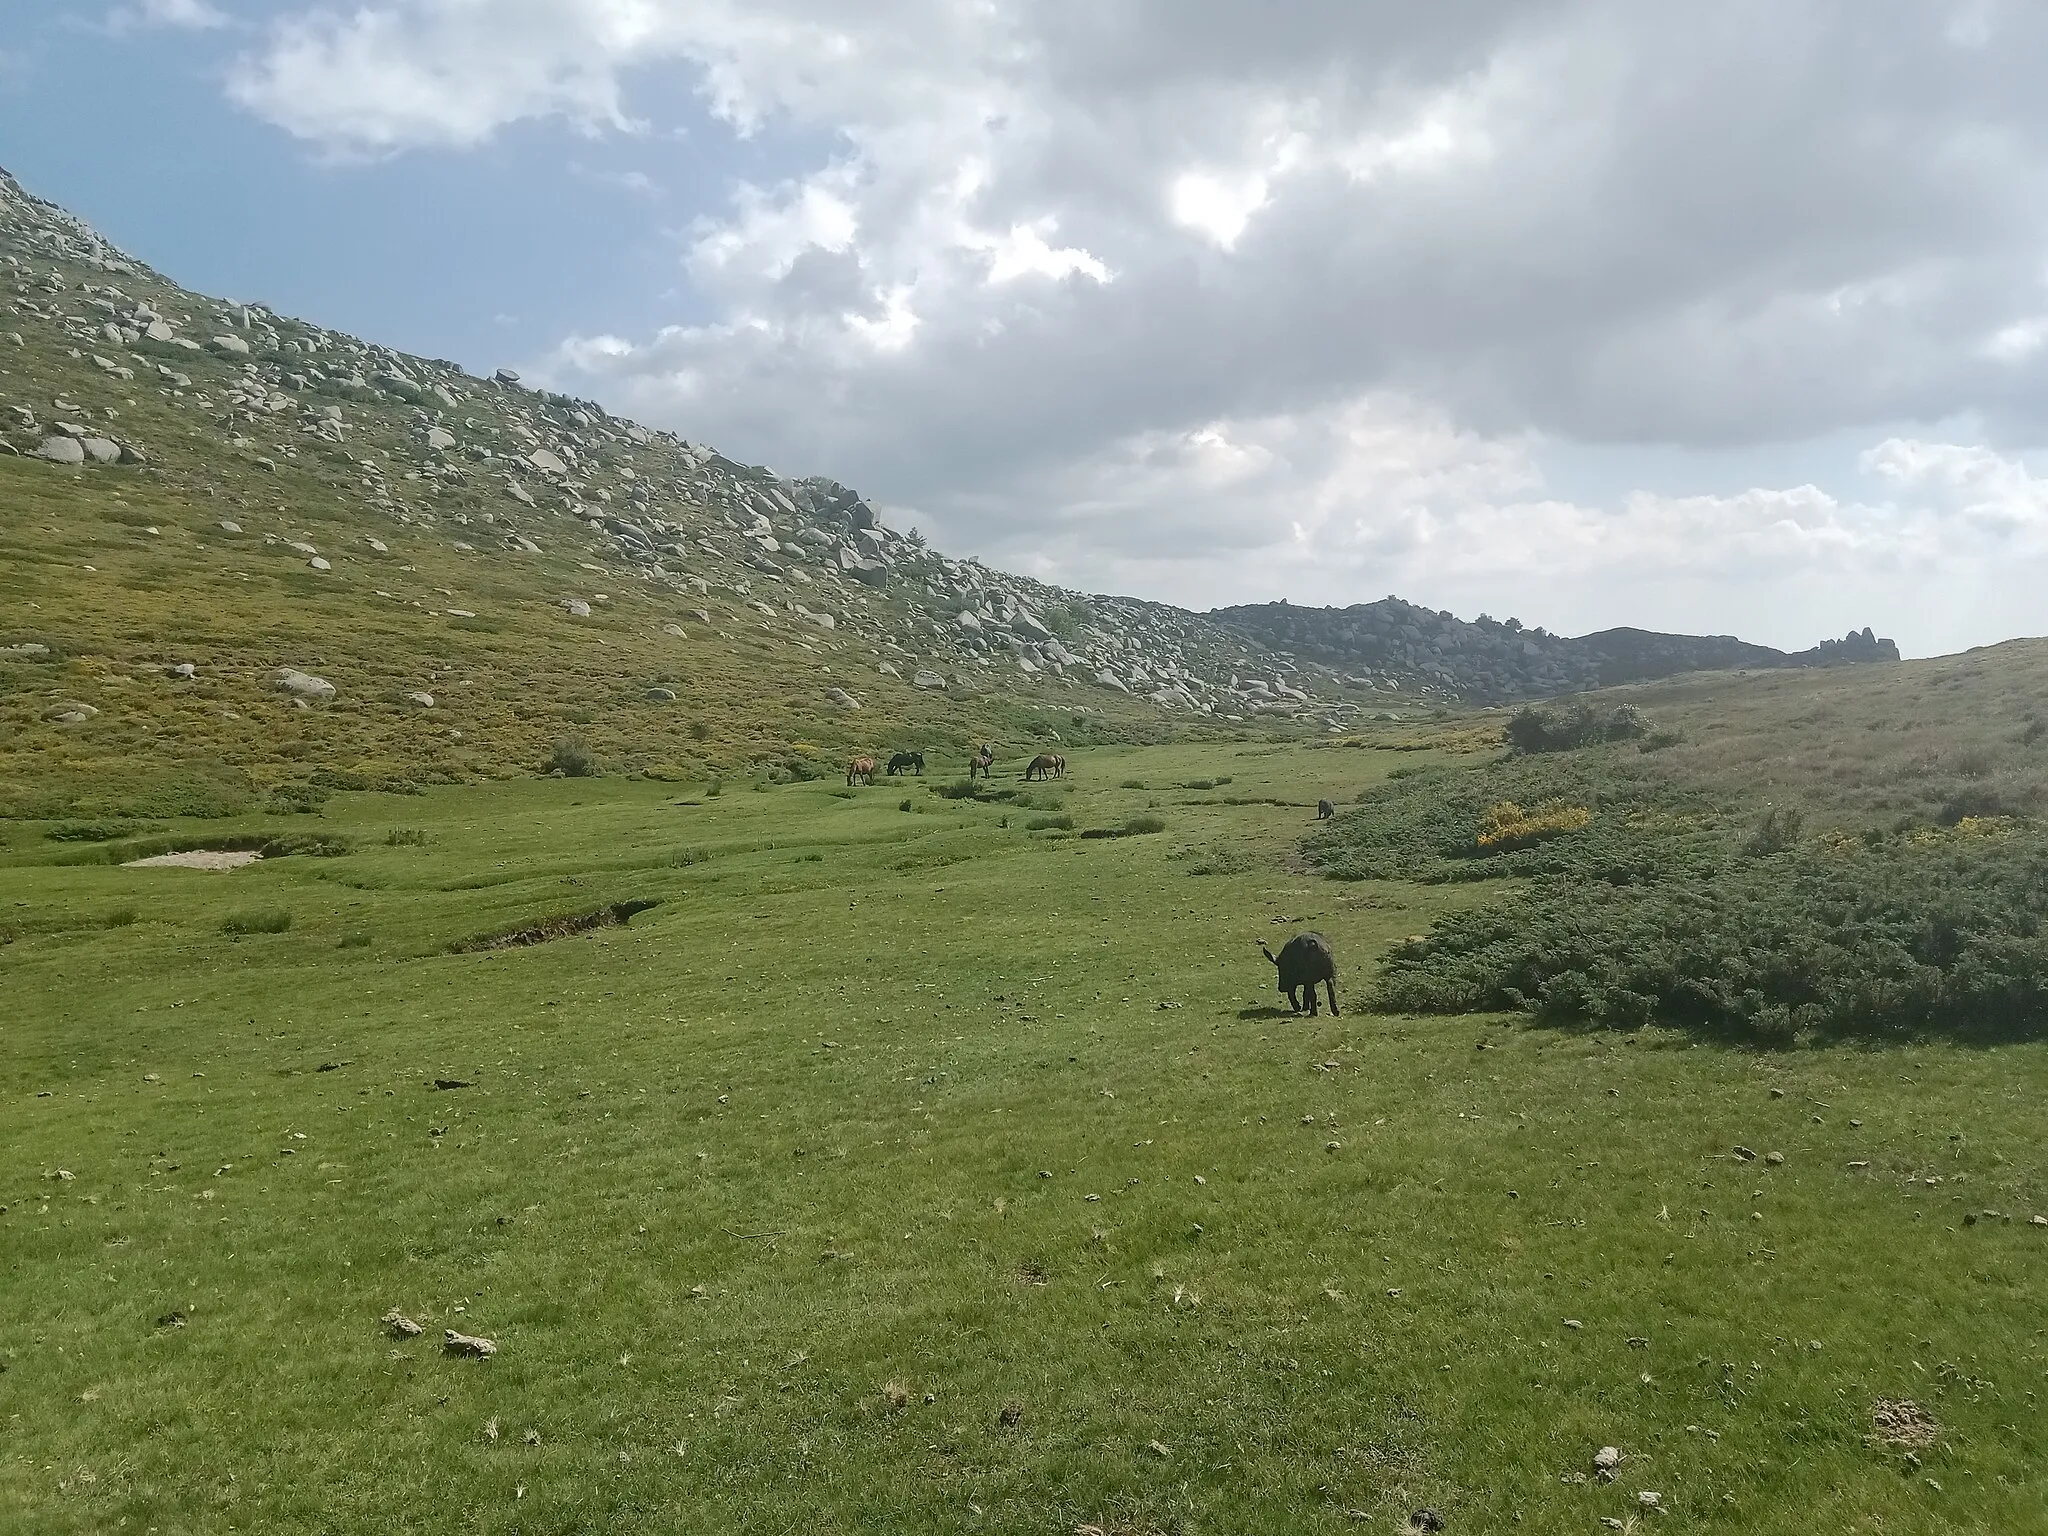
x: 1490, y: 661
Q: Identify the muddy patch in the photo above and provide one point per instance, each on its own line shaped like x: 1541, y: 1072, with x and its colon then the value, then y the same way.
x: 614, y: 916
x: 199, y: 858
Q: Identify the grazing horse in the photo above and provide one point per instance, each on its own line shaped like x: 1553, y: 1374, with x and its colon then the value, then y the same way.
x: 906, y: 762
x: 1325, y: 810
x: 1047, y: 765
x: 860, y: 771
x: 983, y: 761
x: 1303, y: 961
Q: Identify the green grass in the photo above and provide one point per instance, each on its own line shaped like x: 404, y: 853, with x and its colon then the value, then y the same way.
x: 926, y: 1185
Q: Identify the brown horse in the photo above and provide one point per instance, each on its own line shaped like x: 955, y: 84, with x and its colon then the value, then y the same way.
x: 861, y: 771
x: 983, y: 761
x: 1047, y: 765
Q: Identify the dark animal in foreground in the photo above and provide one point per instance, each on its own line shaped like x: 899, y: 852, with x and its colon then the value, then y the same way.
x: 1047, y: 765
x: 861, y: 771
x: 907, y: 762
x: 1325, y: 810
x: 983, y: 762
x: 1303, y: 961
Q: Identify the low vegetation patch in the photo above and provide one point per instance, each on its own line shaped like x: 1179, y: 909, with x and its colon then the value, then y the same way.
x: 1506, y: 826
x: 90, y: 831
x: 267, y: 920
x: 1660, y: 906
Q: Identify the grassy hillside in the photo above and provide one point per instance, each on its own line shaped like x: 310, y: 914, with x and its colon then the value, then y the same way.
x: 480, y: 570
x: 918, y: 1170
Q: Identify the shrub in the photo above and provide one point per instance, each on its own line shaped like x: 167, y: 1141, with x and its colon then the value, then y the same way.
x: 119, y: 917
x: 571, y: 759
x: 959, y: 789
x: 903, y: 805
x: 354, y: 941
x: 275, y: 920
x: 1530, y: 729
x: 1049, y: 824
x: 1506, y: 826
x: 89, y: 831
x: 296, y: 799
x: 406, y: 837
x: 1138, y: 826
x: 1778, y: 831
x: 1133, y: 784
x: 1922, y: 935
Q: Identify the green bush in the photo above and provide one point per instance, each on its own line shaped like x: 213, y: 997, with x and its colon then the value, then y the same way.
x: 1530, y: 729
x: 1923, y: 934
x: 89, y: 831
x: 406, y: 837
x: 1778, y: 831
x: 1049, y: 824
x: 274, y: 920
x: 296, y: 799
x: 1139, y: 826
x: 571, y: 759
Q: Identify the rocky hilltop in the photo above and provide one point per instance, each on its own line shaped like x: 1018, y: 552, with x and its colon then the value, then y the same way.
x: 1496, y: 661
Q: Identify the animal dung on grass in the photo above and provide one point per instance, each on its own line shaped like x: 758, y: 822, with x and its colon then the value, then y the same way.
x: 401, y: 1326
x: 468, y: 1344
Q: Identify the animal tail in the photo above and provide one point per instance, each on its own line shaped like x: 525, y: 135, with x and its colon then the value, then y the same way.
x: 1266, y: 952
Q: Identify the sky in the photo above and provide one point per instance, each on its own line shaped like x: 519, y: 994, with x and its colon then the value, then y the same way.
x: 1720, y: 319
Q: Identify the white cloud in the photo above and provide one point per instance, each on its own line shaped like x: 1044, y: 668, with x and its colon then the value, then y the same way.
x: 1216, y: 300
x: 189, y: 15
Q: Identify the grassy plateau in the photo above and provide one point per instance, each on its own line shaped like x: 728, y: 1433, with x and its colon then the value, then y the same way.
x: 906, y: 1168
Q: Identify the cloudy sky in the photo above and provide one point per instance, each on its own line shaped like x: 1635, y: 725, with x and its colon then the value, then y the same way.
x: 1725, y: 318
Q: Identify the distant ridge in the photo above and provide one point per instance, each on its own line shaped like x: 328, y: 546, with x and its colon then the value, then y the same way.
x: 1493, y: 661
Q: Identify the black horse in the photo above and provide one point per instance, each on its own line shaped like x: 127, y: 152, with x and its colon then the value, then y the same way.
x: 907, y: 762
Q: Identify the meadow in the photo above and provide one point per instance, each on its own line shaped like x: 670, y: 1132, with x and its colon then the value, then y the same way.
x: 922, y: 1163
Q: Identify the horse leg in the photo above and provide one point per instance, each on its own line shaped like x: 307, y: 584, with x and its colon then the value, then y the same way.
x: 1330, y: 985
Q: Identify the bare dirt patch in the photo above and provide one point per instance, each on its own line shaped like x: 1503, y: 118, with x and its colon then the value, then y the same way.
x: 613, y: 916
x: 198, y: 858
x: 1903, y: 1423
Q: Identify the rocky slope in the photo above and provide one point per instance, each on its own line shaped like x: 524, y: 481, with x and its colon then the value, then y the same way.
x: 1498, y: 661
x: 244, y: 554
x: 218, y: 497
